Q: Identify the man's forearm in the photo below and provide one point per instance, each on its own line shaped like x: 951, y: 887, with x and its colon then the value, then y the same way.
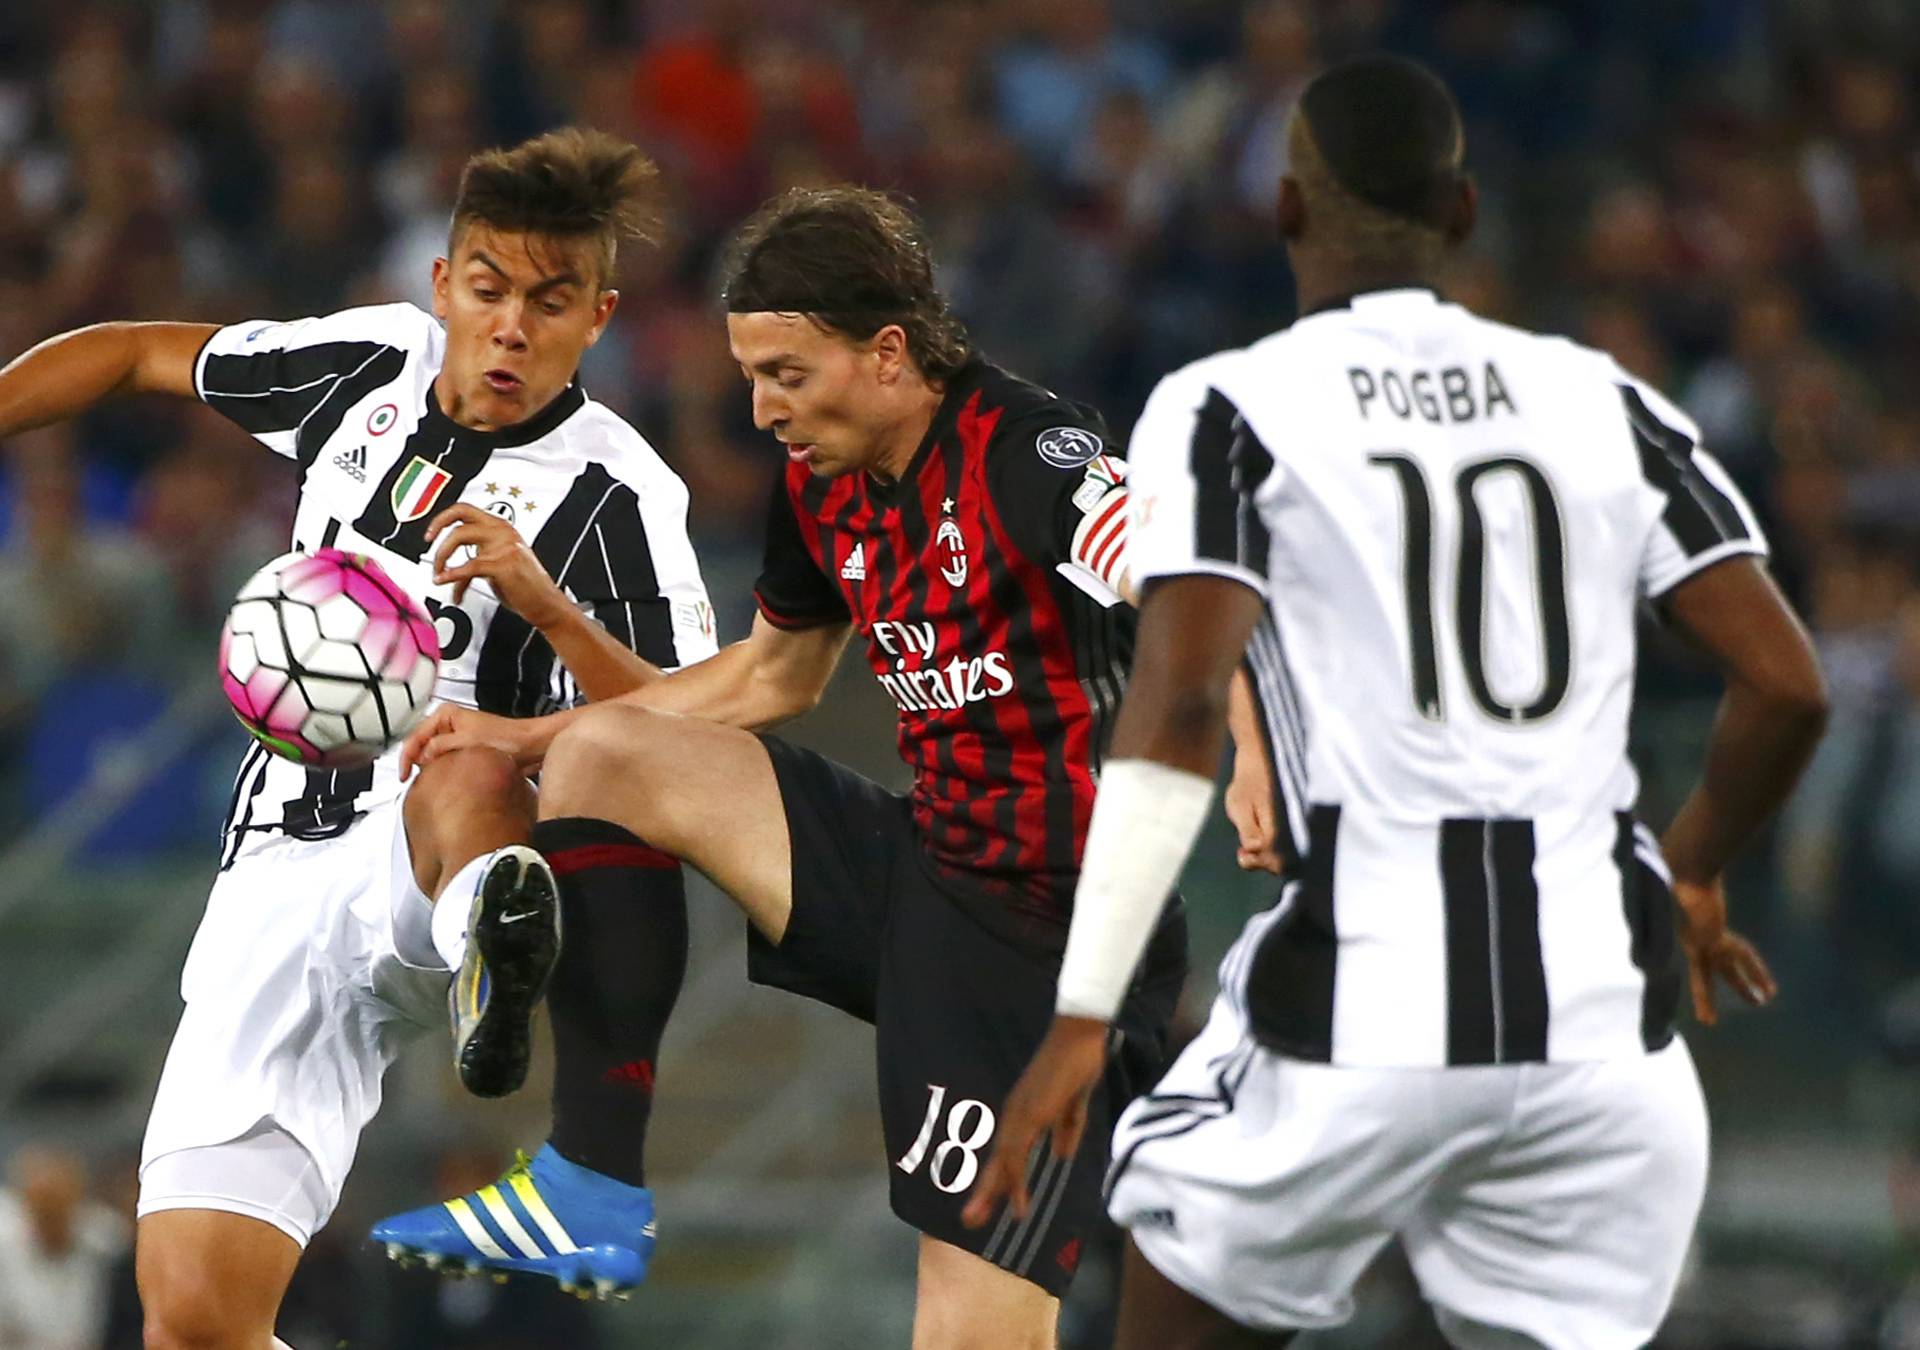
x: 600, y: 664
x: 1243, y: 717
x: 727, y: 687
x: 723, y: 688
x: 68, y: 374
x: 1758, y: 749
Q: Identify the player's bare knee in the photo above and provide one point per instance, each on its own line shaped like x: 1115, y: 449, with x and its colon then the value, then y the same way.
x: 611, y: 751
x: 476, y: 788
x: 472, y: 775
x: 186, y: 1313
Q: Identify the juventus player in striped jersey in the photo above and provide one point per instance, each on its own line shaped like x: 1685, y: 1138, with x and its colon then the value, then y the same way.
x: 1456, y: 1026
x: 549, y: 542
x: 972, y: 527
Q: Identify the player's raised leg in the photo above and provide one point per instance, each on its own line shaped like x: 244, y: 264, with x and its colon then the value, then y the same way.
x: 626, y: 795
x: 702, y: 792
x: 461, y: 806
x: 469, y: 819
x: 211, y: 1280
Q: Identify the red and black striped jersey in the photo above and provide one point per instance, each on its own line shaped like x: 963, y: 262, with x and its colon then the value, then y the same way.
x: 982, y: 582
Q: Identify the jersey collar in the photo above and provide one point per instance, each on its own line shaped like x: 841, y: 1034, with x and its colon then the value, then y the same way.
x: 564, y: 405
x: 1346, y: 301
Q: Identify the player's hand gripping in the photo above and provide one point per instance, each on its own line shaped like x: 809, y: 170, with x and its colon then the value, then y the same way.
x: 499, y: 555
x: 1050, y: 1098
x: 1716, y: 952
x: 448, y: 728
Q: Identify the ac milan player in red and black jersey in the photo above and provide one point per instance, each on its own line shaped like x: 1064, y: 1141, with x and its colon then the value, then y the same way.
x: 972, y: 527
x: 1003, y: 647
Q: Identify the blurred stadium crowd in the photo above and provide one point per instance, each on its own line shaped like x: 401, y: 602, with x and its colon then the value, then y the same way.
x: 1724, y: 193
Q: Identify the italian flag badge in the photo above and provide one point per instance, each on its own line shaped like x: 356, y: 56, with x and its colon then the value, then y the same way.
x: 417, y: 488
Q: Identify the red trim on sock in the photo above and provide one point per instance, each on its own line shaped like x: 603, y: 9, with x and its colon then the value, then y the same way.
x: 636, y: 1073
x: 567, y: 861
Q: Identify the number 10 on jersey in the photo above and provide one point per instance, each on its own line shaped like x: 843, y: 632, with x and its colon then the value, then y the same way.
x: 1470, y: 586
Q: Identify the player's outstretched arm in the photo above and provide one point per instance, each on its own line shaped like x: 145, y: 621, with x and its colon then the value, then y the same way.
x: 771, y: 676
x: 68, y: 374
x: 766, y: 678
x: 1154, y: 795
x: 1770, y: 719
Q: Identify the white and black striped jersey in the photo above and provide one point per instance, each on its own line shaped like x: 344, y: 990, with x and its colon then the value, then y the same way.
x: 350, y: 398
x: 1453, y: 523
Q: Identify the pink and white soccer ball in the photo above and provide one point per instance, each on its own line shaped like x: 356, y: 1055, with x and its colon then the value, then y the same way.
x: 326, y: 660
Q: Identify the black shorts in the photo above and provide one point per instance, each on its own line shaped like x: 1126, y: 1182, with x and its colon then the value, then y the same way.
x: 957, y: 1012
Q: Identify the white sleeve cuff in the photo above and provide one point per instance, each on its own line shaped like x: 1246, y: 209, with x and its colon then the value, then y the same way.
x: 1145, y: 820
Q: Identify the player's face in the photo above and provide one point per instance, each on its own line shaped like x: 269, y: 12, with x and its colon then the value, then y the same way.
x: 520, y: 310
x: 827, y: 398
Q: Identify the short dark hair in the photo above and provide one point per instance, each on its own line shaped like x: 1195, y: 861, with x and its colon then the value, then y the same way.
x: 1378, y: 147
x: 851, y: 259
x: 1388, y: 129
x: 574, y: 183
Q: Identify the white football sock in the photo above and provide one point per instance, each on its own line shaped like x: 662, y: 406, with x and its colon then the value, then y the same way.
x: 452, y: 909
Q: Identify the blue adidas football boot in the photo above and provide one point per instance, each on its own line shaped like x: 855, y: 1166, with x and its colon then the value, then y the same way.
x: 513, y: 941
x: 587, y: 1232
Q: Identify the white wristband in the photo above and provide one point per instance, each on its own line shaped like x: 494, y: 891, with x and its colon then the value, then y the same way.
x: 1145, y: 820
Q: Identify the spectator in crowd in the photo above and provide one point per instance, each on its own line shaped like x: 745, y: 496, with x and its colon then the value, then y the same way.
x: 1053, y: 78
x: 57, y: 1251
x: 73, y: 596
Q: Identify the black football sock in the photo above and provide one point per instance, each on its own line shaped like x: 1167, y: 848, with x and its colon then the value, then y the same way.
x: 623, y: 956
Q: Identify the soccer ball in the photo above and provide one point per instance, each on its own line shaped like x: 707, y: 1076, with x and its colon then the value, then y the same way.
x: 325, y: 660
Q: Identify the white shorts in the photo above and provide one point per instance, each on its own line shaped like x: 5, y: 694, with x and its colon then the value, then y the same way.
x: 313, y: 965
x: 1552, y: 1201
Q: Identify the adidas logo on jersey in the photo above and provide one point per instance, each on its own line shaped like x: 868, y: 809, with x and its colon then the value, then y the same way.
x: 353, y: 463
x: 855, y: 567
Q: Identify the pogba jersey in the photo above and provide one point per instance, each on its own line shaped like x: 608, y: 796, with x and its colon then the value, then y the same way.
x: 1453, y: 524
x: 983, y: 584
x: 349, y: 398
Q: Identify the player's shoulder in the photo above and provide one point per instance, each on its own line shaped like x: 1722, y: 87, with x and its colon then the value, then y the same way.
x: 400, y: 323
x: 1574, y: 360
x: 1642, y: 400
x: 398, y: 315
x: 1585, y: 377
x: 1058, y: 431
x: 1226, y: 372
x: 601, y: 436
x: 1612, y: 382
x: 1227, y: 380
x: 1014, y: 397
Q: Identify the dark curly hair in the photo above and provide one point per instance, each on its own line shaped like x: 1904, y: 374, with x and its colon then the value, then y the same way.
x: 851, y: 259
